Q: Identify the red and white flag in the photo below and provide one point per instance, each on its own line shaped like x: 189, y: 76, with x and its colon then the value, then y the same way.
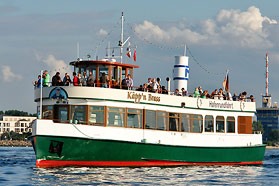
x: 129, y: 51
x: 134, y: 56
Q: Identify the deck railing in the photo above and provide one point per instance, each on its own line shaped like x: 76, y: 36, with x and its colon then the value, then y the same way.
x: 159, y: 91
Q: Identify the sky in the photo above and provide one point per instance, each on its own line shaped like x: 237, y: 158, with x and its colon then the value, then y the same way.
x: 235, y: 35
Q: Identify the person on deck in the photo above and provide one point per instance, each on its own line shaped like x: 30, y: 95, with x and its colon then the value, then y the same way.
x: 90, y: 80
x: 214, y: 93
x: 177, y: 92
x: 56, y: 80
x: 184, y: 92
x: 67, y: 80
x: 104, y: 80
x: 196, y: 93
x: 129, y: 81
x: 155, y: 85
x: 46, y: 78
x: 75, y: 79
x: 37, y: 83
x: 84, y: 79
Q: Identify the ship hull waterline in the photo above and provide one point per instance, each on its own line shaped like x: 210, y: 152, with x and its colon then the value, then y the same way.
x: 55, y: 151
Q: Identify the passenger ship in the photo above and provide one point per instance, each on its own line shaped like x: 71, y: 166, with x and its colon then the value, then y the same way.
x: 114, y: 126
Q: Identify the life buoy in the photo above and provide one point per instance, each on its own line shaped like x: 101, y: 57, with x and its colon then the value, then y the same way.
x: 199, y: 102
x: 242, y: 105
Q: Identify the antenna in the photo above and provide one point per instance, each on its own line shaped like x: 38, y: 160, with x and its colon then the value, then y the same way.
x: 121, y: 39
x: 77, y: 50
x: 266, y: 75
x: 185, y: 50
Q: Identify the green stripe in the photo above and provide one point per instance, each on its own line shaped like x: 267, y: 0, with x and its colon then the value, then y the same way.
x: 78, y: 149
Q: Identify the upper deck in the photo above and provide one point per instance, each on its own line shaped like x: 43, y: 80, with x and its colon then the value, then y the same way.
x: 76, y: 94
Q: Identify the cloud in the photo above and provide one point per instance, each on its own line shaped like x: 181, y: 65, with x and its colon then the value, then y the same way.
x: 8, y: 75
x: 102, y: 32
x: 247, y: 29
x: 54, y: 64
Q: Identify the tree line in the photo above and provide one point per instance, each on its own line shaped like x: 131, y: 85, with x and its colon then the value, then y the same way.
x: 16, y: 113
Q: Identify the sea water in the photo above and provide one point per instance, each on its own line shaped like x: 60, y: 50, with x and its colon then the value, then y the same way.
x: 17, y: 167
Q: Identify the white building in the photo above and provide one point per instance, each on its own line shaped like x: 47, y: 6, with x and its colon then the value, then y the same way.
x: 18, y: 124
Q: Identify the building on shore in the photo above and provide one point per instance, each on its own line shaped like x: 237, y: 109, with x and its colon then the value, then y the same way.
x: 268, y: 114
x: 18, y: 124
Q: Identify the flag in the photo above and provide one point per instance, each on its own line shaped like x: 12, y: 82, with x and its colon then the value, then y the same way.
x: 129, y: 51
x: 135, y: 58
x: 226, y: 82
x: 112, y: 53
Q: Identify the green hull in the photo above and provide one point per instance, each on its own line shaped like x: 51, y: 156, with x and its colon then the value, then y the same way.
x: 65, y: 151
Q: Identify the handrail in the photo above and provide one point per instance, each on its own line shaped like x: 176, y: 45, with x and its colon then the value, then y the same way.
x: 158, y: 91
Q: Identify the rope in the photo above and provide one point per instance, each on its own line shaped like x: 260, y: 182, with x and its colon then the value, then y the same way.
x: 173, y: 48
x: 81, y: 131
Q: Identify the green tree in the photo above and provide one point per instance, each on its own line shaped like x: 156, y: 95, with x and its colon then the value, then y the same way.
x: 5, y: 136
x: 257, y: 126
x: 15, y: 113
x: 274, y: 135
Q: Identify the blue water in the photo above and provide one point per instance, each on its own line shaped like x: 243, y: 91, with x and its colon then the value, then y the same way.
x: 17, y: 167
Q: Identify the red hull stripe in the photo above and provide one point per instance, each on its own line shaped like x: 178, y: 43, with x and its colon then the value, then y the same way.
x: 50, y: 163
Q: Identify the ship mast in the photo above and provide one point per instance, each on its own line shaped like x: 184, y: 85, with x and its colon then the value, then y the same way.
x: 121, y: 39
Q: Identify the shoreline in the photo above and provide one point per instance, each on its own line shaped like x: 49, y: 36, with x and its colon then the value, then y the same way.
x: 15, y: 143
x: 272, y: 147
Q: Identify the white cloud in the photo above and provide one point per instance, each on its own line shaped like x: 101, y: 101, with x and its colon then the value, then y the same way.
x: 8, y: 75
x: 102, y: 32
x: 54, y: 65
x: 230, y: 27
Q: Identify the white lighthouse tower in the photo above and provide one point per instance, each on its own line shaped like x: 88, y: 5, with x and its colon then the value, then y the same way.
x: 181, y: 72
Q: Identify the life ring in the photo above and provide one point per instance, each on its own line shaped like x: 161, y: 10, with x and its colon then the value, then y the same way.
x: 199, y: 102
x: 242, y: 105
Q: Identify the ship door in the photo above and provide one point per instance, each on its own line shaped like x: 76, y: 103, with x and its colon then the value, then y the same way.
x: 61, y: 113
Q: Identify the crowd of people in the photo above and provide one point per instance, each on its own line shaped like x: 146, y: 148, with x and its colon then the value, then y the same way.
x: 152, y: 85
x: 220, y: 95
x: 79, y: 80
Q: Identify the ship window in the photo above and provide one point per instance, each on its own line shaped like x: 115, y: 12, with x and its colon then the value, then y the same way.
x: 47, y: 112
x: 162, y: 119
x: 230, y: 124
x: 78, y: 114
x: 113, y: 73
x: 130, y: 71
x: 185, y: 123
x: 150, y: 119
x: 173, y: 121
x: 209, y: 124
x: 103, y: 69
x: 96, y: 115
x: 123, y: 73
x: 93, y: 69
x: 82, y: 69
x: 134, y: 118
x: 220, y: 124
x: 116, y: 117
x: 197, y: 123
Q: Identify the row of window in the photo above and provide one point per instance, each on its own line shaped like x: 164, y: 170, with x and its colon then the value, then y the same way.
x: 5, y: 124
x: 5, y: 130
x: 138, y: 118
x: 16, y: 119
